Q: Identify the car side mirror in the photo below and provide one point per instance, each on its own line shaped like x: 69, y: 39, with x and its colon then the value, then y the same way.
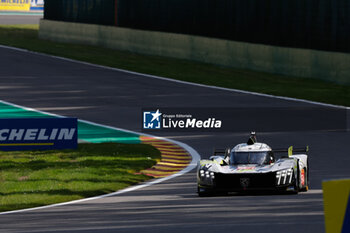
x: 226, y: 160
x: 227, y: 152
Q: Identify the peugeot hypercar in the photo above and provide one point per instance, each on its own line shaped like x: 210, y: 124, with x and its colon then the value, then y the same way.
x: 253, y: 166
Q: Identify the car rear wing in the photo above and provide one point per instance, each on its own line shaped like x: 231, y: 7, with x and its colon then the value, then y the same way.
x: 290, y: 150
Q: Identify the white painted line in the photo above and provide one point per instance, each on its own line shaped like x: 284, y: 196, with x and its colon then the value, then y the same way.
x: 30, y: 109
x: 195, y: 158
x: 179, y: 81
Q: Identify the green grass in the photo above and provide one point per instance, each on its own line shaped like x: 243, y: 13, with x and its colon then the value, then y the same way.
x: 26, y: 36
x: 36, y: 178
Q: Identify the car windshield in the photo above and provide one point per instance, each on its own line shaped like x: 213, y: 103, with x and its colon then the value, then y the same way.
x: 248, y: 157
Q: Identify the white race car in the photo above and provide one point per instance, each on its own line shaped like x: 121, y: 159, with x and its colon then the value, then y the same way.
x: 253, y: 166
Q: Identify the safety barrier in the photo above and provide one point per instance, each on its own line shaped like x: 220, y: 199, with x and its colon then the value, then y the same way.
x: 324, y: 65
x: 100, y: 12
x: 317, y: 24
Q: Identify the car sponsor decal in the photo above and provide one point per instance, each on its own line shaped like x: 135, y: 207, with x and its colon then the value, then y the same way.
x: 244, y: 182
x: 245, y: 168
x: 302, y: 177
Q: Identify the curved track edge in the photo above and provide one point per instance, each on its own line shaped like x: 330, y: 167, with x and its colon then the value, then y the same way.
x: 193, y: 153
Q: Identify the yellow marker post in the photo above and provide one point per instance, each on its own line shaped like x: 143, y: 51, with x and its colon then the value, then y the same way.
x: 336, y: 205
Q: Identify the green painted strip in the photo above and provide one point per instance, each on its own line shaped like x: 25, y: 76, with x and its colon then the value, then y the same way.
x: 97, y: 134
x: 9, y: 111
x: 86, y: 131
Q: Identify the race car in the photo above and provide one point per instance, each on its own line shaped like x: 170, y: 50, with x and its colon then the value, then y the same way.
x: 253, y: 166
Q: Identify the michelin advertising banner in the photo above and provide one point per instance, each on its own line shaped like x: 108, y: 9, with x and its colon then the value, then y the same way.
x: 22, y: 5
x: 38, y: 134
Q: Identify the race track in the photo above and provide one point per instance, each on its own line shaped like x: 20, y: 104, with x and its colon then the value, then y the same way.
x: 18, y: 18
x: 115, y: 98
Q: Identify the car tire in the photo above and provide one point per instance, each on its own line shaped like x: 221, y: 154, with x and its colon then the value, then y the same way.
x: 296, y: 186
x: 203, y: 192
x: 296, y: 181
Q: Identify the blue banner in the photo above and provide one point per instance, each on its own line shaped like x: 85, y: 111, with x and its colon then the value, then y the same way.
x: 38, y: 134
x: 37, y: 5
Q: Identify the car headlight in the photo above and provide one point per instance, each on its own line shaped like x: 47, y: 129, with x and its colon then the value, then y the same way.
x: 284, y: 176
x: 206, y: 174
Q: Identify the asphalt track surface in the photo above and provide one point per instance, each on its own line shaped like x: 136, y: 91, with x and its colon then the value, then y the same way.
x: 19, y: 19
x: 115, y: 98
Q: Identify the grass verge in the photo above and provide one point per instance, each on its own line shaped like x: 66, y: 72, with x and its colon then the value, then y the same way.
x: 26, y: 36
x: 36, y: 178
